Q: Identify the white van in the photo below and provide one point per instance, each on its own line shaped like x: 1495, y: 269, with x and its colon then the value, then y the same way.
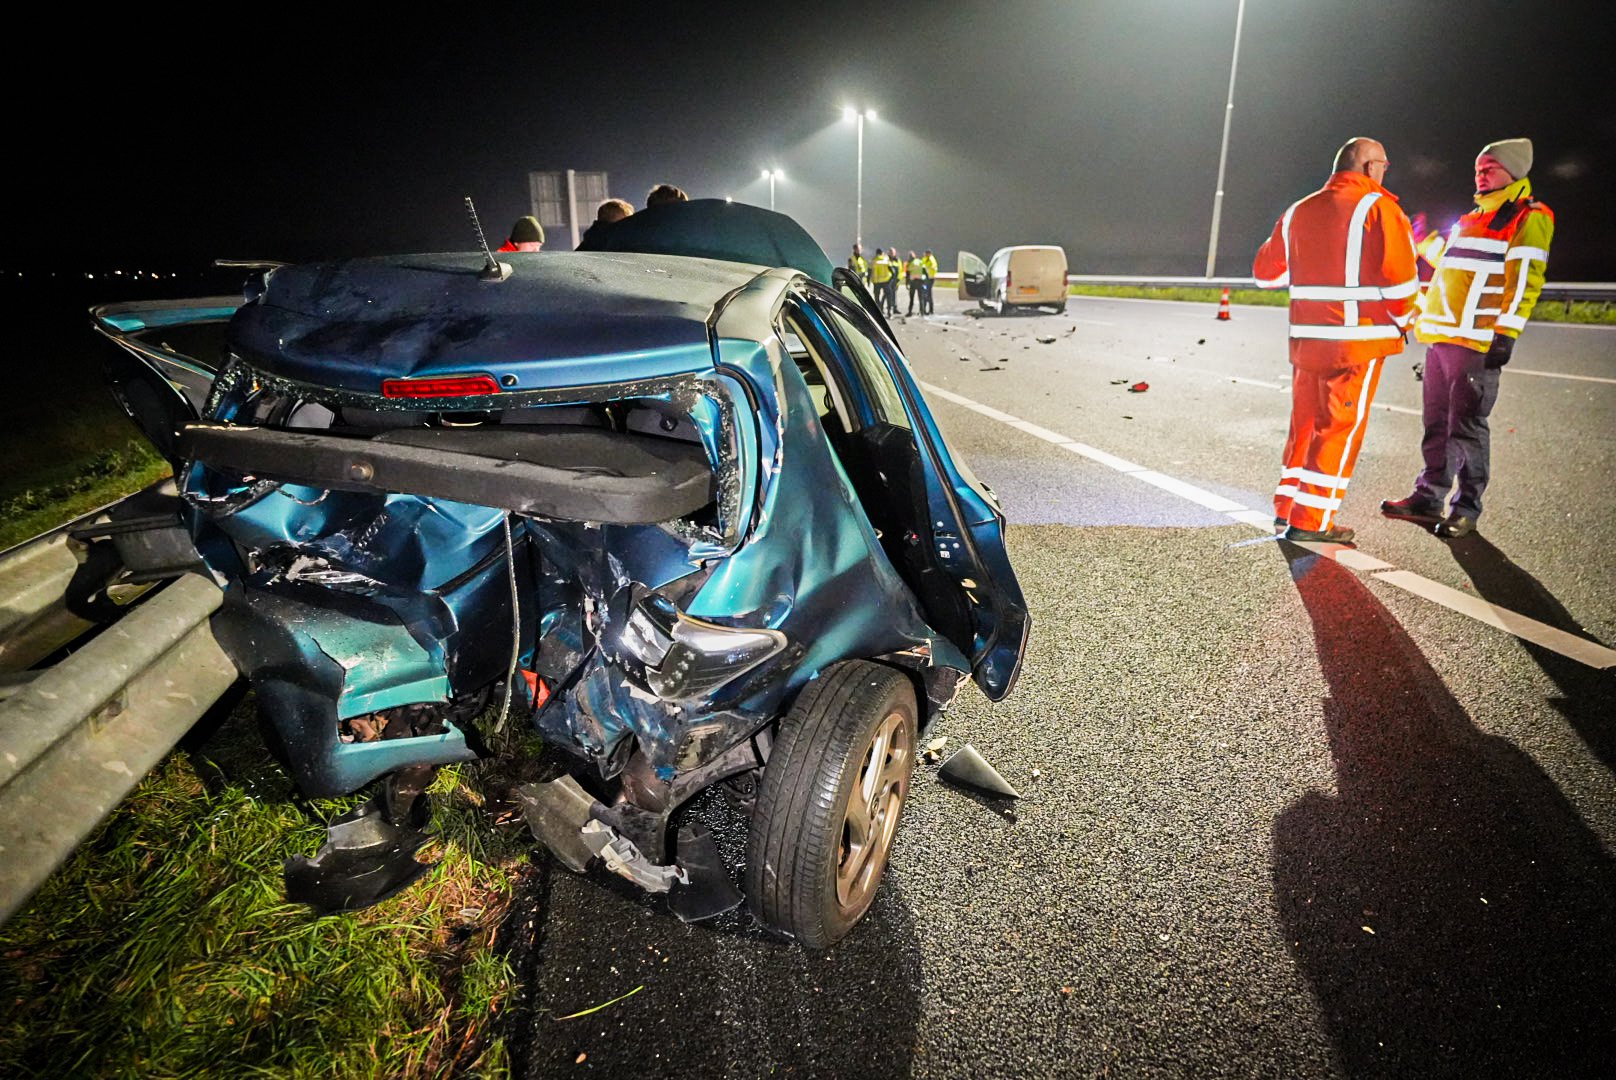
x: 1032, y: 275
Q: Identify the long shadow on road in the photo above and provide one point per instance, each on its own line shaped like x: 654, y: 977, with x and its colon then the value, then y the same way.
x: 1451, y: 910
x: 720, y: 999
x: 1587, y: 695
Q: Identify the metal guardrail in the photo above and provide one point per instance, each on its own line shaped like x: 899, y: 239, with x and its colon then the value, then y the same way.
x: 78, y: 735
x: 82, y: 734
x: 1597, y: 291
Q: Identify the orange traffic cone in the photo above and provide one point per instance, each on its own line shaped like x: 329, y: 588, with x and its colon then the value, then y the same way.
x: 1223, y: 306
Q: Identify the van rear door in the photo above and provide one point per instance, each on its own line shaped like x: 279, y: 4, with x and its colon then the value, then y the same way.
x: 973, y: 276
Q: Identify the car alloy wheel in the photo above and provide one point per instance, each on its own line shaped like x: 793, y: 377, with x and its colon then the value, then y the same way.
x: 830, y: 801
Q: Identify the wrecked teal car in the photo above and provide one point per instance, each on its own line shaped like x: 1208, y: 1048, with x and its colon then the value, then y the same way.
x: 689, y: 517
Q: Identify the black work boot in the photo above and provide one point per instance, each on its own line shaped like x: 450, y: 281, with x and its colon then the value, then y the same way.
x: 1417, y: 505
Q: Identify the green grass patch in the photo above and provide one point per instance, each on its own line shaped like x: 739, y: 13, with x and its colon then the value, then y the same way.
x: 1597, y: 312
x: 1202, y: 294
x: 164, y: 947
x: 108, y: 474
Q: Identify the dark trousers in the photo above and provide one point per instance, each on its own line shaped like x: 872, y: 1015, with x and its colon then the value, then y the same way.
x: 925, y: 297
x: 1459, y: 394
x: 916, y: 293
x: 889, y: 296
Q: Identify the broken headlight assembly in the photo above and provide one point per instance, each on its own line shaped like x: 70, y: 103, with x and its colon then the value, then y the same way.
x: 686, y: 657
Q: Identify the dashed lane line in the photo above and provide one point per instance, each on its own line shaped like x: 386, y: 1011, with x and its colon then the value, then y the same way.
x: 1569, y: 645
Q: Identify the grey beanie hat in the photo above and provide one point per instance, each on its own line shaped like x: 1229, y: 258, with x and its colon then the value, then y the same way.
x: 1514, y: 155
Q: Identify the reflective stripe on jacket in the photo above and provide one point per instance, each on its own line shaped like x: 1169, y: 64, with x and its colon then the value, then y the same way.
x: 1491, y: 270
x: 1347, y: 253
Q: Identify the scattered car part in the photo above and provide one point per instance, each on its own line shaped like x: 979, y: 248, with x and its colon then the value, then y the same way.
x: 365, y: 859
x: 966, y: 766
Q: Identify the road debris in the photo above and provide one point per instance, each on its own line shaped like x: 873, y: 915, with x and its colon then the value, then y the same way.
x: 1046, y: 341
x: 1036, y: 775
x: 602, y: 1005
x: 1200, y: 341
x: 934, y: 749
x: 1118, y: 382
x: 1138, y: 388
x: 580, y: 1059
x: 966, y: 766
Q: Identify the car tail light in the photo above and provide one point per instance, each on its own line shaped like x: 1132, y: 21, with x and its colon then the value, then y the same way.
x: 1009, y: 279
x: 686, y: 657
x: 455, y: 386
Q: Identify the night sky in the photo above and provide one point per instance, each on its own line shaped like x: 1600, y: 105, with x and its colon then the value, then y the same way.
x: 291, y: 133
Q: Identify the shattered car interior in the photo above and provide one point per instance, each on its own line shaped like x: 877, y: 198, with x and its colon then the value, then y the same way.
x: 686, y: 515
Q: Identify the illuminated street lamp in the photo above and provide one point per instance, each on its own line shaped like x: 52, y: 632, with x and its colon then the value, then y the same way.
x: 859, y: 116
x: 771, y: 175
x: 1223, y: 153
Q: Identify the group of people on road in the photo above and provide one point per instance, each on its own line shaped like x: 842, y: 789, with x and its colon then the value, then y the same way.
x: 1347, y: 254
x: 883, y: 273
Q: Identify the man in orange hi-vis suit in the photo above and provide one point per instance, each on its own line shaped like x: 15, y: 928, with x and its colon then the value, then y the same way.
x: 1347, y: 253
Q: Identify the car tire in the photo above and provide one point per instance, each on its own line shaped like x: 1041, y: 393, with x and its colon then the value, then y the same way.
x: 1060, y: 308
x: 852, y: 730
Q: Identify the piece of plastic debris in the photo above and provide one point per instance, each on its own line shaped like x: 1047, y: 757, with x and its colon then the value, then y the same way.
x: 966, y: 766
x: 602, y: 1005
x: 580, y: 1059
x: 1369, y: 929
x: 937, y: 744
x: 1118, y: 382
x: 965, y: 358
x: 1036, y: 775
x: 1200, y: 341
x: 1138, y: 388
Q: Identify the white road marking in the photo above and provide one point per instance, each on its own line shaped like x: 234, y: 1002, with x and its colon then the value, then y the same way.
x: 1569, y: 645
x: 1558, y: 375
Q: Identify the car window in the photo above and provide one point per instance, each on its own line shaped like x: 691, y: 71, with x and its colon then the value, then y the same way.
x: 828, y: 394
x: 869, y: 366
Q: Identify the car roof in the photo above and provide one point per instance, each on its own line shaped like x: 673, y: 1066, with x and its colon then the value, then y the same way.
x: 346, y: 324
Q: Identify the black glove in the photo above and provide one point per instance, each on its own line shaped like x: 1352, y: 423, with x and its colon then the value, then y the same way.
x: 1498, y: 352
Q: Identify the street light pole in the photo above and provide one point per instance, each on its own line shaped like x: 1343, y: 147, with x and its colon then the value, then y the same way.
x: 1223, y: 153
x: 858, y: 117
x: 771, y: 175
x: 858, y: 215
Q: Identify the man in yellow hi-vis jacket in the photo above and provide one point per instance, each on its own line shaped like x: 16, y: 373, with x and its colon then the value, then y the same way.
x: 1484, y: 289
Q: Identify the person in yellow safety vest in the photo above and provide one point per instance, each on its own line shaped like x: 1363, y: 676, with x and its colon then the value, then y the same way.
x: 926, y: 305
x: 1486, y: 284
x: 882, y: 274
x: 897, y: 275
x: 859, y: 264
x: 912, y: 269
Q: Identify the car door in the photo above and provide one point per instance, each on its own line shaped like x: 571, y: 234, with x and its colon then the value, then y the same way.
x: 974, y: 280
x: 169, y: 353
x: 942, y: 529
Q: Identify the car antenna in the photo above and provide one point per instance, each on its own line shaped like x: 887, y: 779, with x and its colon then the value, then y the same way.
x: 493, y: 270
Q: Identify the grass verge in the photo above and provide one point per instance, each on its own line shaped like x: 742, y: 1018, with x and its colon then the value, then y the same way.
x: 1586, y: 312
x: 164, y: 947
x: 107, y: 475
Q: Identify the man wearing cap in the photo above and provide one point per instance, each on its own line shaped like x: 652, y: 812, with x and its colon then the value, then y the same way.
x: 526, y: 235
x: 1484, y: 289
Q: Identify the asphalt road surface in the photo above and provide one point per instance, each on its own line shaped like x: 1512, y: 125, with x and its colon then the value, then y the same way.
x: 1292, y: 816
